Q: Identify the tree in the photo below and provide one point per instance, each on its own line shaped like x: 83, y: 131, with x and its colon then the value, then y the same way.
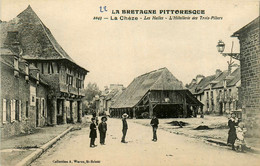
x: 91, y: 91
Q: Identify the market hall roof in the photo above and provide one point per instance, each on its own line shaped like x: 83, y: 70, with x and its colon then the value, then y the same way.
x: 36, y: 40
x: 161, y: 79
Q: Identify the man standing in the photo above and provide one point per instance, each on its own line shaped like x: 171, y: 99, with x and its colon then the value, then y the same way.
x: 102, y: 127
x: 154, y: 123
x: 93, y: 133
x: 125, y: 127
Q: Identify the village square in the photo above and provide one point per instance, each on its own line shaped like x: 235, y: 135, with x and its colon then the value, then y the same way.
x: 51, y: 114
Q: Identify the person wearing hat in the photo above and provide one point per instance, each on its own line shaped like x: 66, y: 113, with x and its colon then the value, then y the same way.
x: 93, y: 133
x: 232, y: 136
x: 102, y: 127
x: 125, y: 127
x: 154, y: 123
x: 96, y: 118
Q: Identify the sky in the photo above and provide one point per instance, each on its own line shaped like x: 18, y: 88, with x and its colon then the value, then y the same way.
x: 118, y: 51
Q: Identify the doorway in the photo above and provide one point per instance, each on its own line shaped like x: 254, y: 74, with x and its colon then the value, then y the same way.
x: 37, y: 112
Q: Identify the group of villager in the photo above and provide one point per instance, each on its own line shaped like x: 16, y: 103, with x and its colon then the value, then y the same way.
x: 102, y: 128
x: 235, y: 134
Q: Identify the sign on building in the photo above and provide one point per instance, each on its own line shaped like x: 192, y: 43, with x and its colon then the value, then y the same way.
x: 32, y: 95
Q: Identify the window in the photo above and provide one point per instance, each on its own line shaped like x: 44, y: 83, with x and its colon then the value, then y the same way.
x: 42, y: 68
x: 207, y: 95
x: 26, y: 109
x: 79, y: 83
x: 43, y: 107
x: 58, y: 68
x: 4, y: 111
x: 33, y: 95
x: 50, y: 68
x: 229, y: 91
x: 167, y: 94
x: 211, y: 94
x: 69, y: 70
x: 69, y: 79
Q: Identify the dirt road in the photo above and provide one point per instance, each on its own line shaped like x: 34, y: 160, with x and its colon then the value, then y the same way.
x: 169, y: 150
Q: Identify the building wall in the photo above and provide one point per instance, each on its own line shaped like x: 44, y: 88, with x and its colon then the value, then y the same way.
x: 204, y: 101
x: 228, y: 102
x: 16, y: 88
x: 250, y: 76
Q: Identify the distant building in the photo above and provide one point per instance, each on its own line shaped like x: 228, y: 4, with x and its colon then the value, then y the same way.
x: 108, y: 96
x: 38, y: 47
x: 157, y: 92
x: 218, y: 92
x: 250, y: 75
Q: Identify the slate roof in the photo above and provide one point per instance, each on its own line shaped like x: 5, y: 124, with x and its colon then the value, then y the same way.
x: 219, y: 80
x: 255, y: 24
x: 111, y: 94
x: 216, y: 81
x: 7, y: 61
x: 37, y: 41
x: 199, y: 88
x: 161, y: 79
x: 235, y: 77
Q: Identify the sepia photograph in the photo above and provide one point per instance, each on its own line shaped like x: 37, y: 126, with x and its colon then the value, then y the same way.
x: 129, y: 83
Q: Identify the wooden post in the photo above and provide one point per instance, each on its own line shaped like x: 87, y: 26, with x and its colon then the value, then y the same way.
x: 150, y: 109
x: 80, y: 111
x: 72, y: 111
x: 202, y: 114
x: 134, y: 113
x: 184, y: 107
x: 64, y: 115
x: 54, y: 111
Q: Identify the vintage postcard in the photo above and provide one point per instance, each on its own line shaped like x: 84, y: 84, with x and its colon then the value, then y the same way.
x: 113, y: 82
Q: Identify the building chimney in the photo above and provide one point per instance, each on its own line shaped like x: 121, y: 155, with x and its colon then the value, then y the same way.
x: 199, y: 78
x: 193, y: 81
x: 218, y: 72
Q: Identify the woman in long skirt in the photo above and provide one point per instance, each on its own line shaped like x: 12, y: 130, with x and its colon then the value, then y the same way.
x: 232, y: 136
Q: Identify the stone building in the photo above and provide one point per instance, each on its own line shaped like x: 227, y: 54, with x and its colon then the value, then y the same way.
x: 250, y: 74
x: 218, y: 92
x: 157, y: 92
x: 40, y: 49
x: 107, y: 97
x: 23, y: 95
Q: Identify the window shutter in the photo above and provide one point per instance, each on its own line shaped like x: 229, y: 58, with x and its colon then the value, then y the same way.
x: 12, y: 110
x: 20, y: 110
x: 4, y: 110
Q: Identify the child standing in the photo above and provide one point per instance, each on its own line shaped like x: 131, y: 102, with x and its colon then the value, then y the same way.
x: 102, y: 127
x: 240, y: 141
x: 93, y: 133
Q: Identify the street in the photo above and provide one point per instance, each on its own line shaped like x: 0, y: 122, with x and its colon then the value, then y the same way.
x: 170, y: 149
